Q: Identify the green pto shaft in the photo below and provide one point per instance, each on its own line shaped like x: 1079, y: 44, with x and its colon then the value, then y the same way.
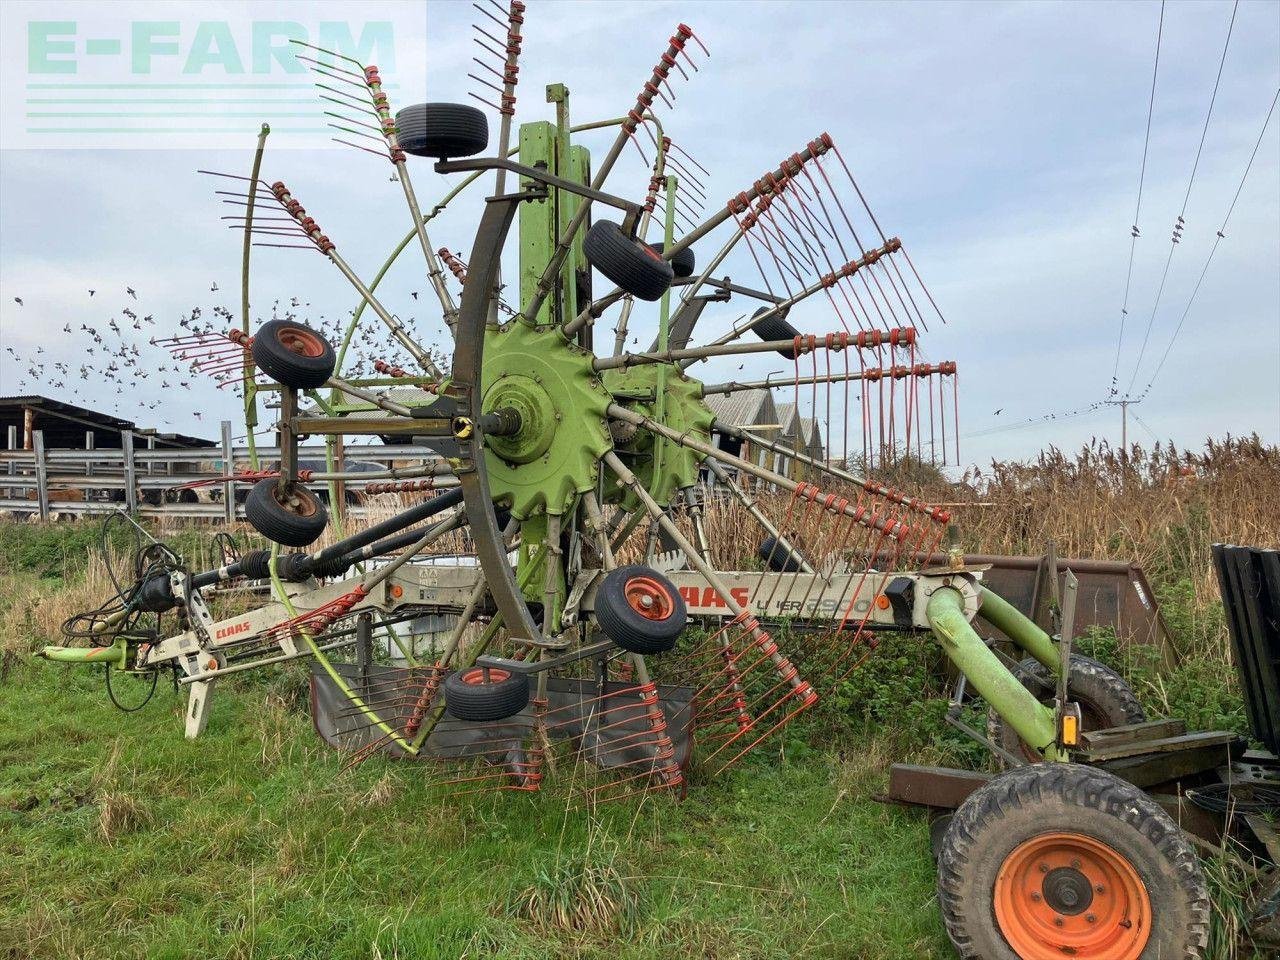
x: 115, y: 655
x: 1008, y: 619
x: 1033, y: 721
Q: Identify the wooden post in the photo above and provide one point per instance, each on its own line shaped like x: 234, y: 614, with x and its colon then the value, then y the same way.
x: 228, y: 470
x: 42, y: 474
x: 13, y: 464
x: 130, y: 472
x: 28, y: 427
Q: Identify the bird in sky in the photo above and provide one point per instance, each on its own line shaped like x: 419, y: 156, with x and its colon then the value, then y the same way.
x: 18, y: 301
x: 131, y: 292
x: 997, y: 413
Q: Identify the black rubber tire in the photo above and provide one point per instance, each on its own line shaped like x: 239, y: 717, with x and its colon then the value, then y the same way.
x: 778, y: 557
x: 503, y: 694
x: 292, y: 354
x: 1105, y: 699
x: 630, y: 264
x: 1036, y: 799
x: 682, y: 264
x: 281, y: 524
x: 442, y: 131
x: 626, y: 626
x: 776, y: 328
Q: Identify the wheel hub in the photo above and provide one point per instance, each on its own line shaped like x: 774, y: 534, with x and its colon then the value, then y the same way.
x: 1068, y: 891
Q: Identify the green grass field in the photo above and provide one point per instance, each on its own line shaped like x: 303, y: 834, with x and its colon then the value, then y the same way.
x: 120, y: 839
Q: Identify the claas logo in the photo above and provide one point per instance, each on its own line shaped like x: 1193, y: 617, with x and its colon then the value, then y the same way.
x: 707, y: 596
x: 231, y: 631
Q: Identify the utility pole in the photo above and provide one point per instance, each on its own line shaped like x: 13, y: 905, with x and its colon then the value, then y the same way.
x: 1124, y: 405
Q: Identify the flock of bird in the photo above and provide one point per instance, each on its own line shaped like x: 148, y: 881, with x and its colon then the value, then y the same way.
x: 120, y: 361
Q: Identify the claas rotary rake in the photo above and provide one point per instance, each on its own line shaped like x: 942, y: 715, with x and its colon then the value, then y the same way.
x: 559, y: 523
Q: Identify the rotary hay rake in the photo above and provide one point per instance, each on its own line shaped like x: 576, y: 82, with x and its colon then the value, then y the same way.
x: 575, y: 479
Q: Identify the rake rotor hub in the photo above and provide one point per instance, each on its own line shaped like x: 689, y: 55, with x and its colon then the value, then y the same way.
x: 554, y: 455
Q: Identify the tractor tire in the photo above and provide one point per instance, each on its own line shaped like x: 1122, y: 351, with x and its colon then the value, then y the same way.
x: 632, y: 265
x: 480, y: 694
x: 776, y: 328
x: 280, y: 523
x: 293, y: 355
x: 1104, y: 697
x: 640, y: 610
x: 1059, y: 859
x: 777, y: 557
x: 682, y: 264
x: 442, y: 131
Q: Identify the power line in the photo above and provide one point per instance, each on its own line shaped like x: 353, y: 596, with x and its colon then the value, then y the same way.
x: 1181, y: 221
x: 1142, y: 176
x: 1221, y: 235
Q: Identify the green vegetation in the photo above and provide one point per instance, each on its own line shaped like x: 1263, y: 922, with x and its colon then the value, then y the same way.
x: 120, y: 839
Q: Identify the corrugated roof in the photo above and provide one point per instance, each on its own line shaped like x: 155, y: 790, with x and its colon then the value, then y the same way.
x: 745, y: 408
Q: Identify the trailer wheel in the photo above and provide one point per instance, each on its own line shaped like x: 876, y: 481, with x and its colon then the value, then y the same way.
x: 776, y: 328
x: 640, y: 610
x: 632, y: 265
x: 442, y: 131
x: 1063, y: 860
x: 1105, y: 699
x: 293, y: 355
x: 778, y: 557
x: 682, y: 264
x: 479, y: 694
x: 289, y: 524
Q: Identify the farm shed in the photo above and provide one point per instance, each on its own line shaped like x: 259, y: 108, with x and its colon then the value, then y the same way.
x: 66, y: 426
x: 752, y: 410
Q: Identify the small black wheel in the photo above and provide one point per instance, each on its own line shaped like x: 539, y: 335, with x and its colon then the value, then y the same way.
x: 485, y: 693
x: 442, y: 130
x: 778, y: 557
x: 682, y: 264
x: 776, y: 327
x: 293, y: 355
x: 1059, y: 859
x: 640, y: 610
x: 1104, y: 697
x: 632, y: 265
x: 295, y: 524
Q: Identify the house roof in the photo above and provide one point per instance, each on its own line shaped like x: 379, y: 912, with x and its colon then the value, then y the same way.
x: 746, y: 408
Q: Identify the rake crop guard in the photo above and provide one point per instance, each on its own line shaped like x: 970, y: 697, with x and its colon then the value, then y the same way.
x: 571, y: 654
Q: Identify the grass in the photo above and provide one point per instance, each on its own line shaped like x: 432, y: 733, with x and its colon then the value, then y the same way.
x: 120, y: 839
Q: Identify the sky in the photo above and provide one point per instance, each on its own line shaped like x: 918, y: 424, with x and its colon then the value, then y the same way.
x: 1001, y: 142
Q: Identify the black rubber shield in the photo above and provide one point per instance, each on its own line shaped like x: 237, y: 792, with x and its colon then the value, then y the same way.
x: 631, y: 630
x: 776, y: 328
x: 493, y: 700
x: 280, y: 524
x: 287, y: 366
x: 1105, y: 699
x: 682, y: 264
x: 1069, y: 798
x: 778, y: 557
x: 630, y: 264
x: 442, y: 131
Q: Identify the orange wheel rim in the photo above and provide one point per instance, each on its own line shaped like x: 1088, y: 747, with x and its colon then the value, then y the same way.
x: 302, y: 342
x: 1068, y: 895
x: 649, y: 598
x: 478, y: 676
x: 306, y: 505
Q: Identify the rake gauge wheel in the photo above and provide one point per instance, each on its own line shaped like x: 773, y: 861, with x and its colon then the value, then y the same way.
x: 776, y: 327
x: 485, y: 693
x: 682, y: 264
x: 297, y: 522
x: 442, y: 131
x: 293, y: 355
x: 1062, y: 860
x: 640, y: 610
x: 632, y: 265
x: 1105, y: 699
x: 778, y: 557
